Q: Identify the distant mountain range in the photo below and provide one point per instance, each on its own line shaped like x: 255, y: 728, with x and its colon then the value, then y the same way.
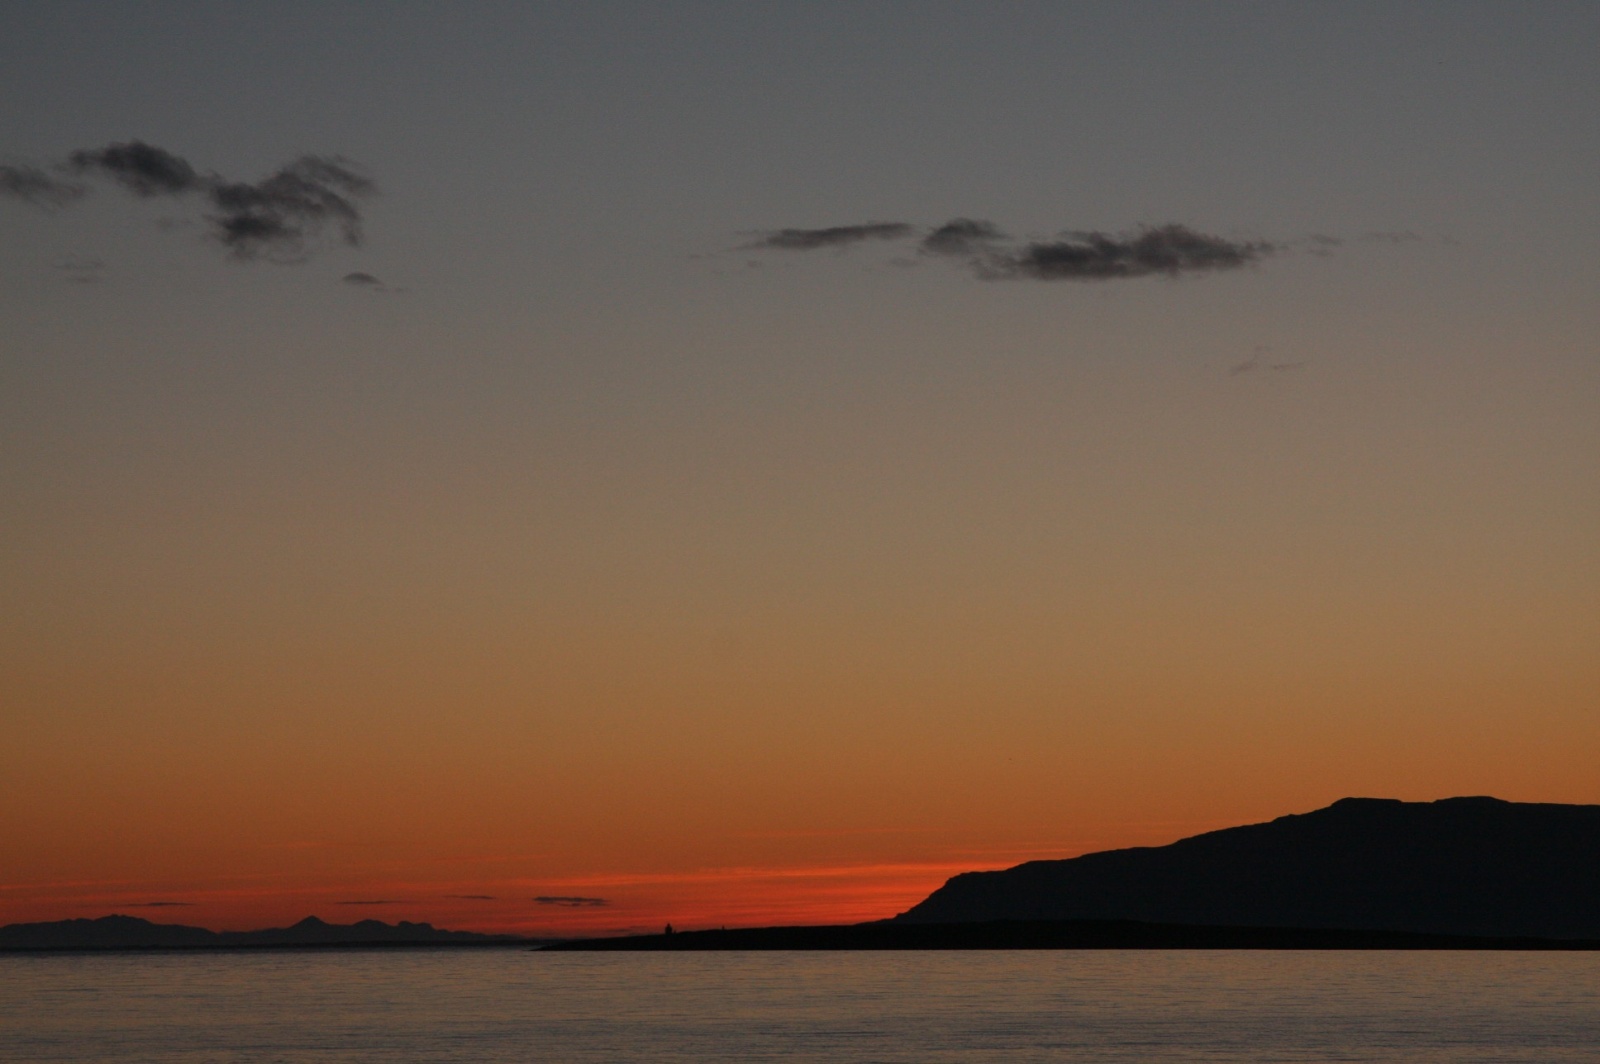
x: 130, y: 932
x: 1459, y: 866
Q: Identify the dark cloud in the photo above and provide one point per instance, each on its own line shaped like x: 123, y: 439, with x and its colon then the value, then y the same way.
x: 32, y: 185
x: 283, y: 211
x: 834, y: 237
x: 1169, y: 250
x: 962, y: 236
x: 571, y: 901
x: 143, y: 169
x: 278, y: 217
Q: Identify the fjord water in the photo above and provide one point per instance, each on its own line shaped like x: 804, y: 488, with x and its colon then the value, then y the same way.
x: 514, y: 1005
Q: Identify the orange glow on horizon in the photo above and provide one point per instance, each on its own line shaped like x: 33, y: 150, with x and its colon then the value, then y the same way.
x: 583, y: 905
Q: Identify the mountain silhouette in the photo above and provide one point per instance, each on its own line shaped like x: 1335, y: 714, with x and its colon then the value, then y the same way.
x: 131, y: 932
x: 1458, y: 866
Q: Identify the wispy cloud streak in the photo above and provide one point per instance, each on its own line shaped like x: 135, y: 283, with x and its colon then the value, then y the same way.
x: 962, y: 237
x: 837, y: 236
x: 32, y: 185
x: 1169, y: 250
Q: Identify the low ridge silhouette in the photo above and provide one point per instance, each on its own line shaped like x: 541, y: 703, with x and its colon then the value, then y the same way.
x: 130, y: 932
x: 1458, y: 866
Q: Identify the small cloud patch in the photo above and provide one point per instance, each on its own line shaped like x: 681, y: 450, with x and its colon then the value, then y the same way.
x: 369, y: 282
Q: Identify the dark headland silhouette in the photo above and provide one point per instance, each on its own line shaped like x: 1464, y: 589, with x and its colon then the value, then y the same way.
x: 1460, y: 866
x: 131, y: 932
x: 1362, y: 873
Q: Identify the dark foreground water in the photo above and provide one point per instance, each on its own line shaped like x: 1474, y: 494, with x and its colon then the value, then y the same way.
x: 493, y: 1006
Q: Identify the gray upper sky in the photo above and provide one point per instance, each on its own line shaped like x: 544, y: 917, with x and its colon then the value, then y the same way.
x: 539, y: 133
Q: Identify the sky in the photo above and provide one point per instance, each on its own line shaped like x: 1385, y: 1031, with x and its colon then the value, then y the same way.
x: 564, y: 468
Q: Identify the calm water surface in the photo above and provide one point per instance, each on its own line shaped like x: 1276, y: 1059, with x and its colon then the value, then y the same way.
x: 495, y: 1006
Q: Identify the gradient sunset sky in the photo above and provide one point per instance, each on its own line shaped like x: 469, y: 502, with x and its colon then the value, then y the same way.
x: 581, y: 549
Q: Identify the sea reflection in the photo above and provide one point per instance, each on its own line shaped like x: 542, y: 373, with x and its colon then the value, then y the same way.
x: 517, y: 1005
